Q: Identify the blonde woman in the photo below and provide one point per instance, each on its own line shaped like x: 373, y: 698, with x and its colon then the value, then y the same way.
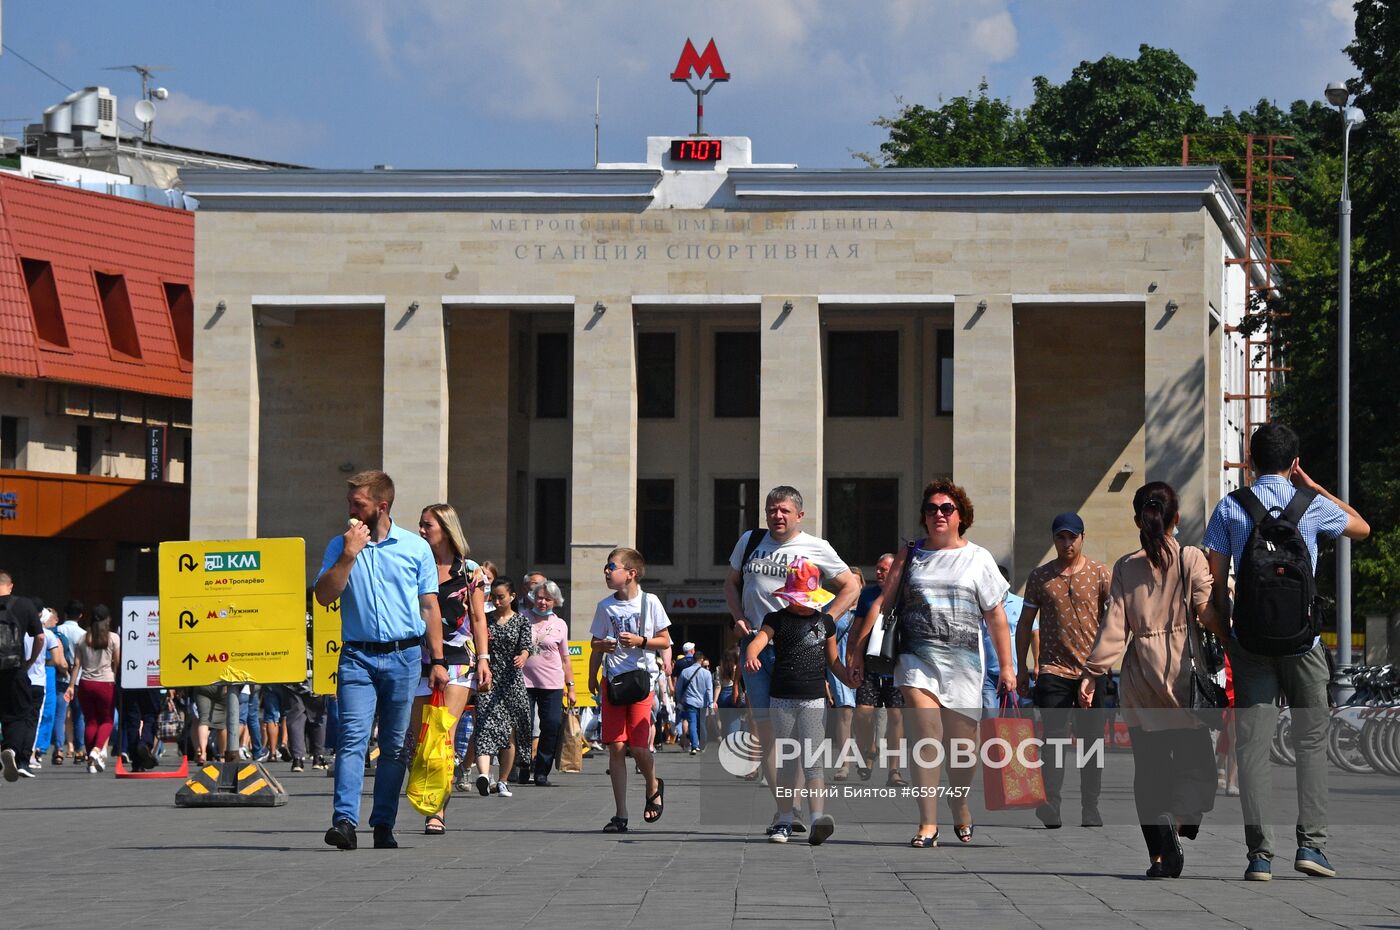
x: 462, y: 602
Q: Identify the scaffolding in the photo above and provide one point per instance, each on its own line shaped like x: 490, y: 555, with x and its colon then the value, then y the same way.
x: 1259, y: 190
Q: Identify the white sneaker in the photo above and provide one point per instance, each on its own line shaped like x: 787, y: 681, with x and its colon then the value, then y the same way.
x: 100, y: 758
x: 503, y: 790
x: 92, y: 768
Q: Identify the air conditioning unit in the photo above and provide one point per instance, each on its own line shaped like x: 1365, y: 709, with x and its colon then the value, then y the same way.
x: 93, y: 109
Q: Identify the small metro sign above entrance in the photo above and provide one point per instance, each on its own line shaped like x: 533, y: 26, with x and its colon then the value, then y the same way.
x: 699, y: 64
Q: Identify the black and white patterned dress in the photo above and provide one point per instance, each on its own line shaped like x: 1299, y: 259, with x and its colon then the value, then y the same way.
x: 505, y: 709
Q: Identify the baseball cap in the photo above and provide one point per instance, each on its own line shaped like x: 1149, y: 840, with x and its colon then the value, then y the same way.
x: 1067, y: 521
x: 687, y: 647
x: 804, y: 586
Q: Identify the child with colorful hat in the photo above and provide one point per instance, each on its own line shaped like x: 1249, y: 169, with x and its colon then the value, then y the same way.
x: 804, y: 641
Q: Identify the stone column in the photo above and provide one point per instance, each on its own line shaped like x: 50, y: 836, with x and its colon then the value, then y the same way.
x: 984, y: 418
x: 224, y: 470
x: 415, y: 404
x: 1176, y: 394
x: 603, y: 492
x: 792, y: 404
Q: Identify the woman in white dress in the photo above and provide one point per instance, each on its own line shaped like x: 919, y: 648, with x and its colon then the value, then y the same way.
x: 947, y: 587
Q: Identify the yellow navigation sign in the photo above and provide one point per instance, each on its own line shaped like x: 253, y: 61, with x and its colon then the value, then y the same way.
x: 232, y: 610
x: 325, y: 646
x: 579, y: 651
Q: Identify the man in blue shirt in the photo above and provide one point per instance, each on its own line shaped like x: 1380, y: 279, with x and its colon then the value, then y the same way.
x: 386, y: 580
x: 991, y: 701
x: 1273, y: 453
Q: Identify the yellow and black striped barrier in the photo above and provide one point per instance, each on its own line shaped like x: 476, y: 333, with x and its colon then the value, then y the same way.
x: 231, y: 784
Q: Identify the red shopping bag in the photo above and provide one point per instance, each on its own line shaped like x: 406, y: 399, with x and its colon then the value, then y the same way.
x: 1014, y: 784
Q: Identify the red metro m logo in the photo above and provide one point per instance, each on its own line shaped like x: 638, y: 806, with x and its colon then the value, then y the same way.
x: 700, y: 65
x: 693, y: 62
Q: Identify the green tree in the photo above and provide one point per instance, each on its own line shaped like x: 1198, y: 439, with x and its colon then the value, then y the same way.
x: 965, y: 131
x: 1117, y: 111
x: 1113, y: 111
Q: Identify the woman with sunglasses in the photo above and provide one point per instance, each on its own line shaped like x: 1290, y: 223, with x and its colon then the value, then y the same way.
x: 946, y: 588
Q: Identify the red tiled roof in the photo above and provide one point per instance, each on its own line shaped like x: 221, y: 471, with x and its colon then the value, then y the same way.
x: 79, y: 233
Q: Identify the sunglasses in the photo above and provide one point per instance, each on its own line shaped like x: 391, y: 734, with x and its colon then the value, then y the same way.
x: 947, y: 509
x: 614, y: 567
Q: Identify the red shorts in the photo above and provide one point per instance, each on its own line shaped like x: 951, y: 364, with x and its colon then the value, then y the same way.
x: 630, y: 723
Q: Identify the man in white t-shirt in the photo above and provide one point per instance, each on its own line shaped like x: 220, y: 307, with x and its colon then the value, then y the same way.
x: 50, y: 650
x: 758, y: 569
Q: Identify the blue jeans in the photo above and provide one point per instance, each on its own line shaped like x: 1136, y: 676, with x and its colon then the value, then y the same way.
x: 60, y: 718
x: 41, y: 738
x: 758, y: 683
x: 248, y: 716
x: 695, y: 719
x: 372, y: 683
x: 271, y: 699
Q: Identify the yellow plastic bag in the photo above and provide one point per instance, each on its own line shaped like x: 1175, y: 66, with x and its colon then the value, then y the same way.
x: 430, y: 778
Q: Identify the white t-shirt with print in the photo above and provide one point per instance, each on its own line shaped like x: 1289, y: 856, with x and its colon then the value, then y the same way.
x: 38, y: 676
x: 765, y: 573
x: 614, y: 617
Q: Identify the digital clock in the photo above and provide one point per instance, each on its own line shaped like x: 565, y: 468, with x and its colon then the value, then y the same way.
x: 705, y: 150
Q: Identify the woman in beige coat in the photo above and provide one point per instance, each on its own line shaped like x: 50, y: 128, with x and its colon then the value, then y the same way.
x: 1158, y: 596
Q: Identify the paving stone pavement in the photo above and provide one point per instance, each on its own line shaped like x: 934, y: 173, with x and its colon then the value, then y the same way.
x: 117, y: 854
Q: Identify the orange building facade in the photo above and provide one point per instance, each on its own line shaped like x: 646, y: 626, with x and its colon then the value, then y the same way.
x: 96, y: 351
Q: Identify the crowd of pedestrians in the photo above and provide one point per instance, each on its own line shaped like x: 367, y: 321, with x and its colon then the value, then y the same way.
x: 422, y: 621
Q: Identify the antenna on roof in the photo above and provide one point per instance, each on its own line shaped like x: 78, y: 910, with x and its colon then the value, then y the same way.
x: 146, y: 114
x: 597, y: 104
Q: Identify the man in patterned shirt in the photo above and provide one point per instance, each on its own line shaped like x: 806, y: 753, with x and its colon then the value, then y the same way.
x: 1070, y: 595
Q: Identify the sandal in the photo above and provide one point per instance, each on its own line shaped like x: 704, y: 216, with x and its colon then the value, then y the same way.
x: 841, y: 774
x: 963, y: 833
x: 434, y: 826
x: 895, y: 780
x: 864, y: 772
x: 616, y: 825
x: 57, y: 757
x: 656, y: 803
x: 924, y: 842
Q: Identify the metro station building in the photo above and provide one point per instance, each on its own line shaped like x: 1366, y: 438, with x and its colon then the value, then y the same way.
x: 634, y: 354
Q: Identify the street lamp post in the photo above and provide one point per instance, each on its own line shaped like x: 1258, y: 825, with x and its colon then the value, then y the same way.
x: 1338, y: 95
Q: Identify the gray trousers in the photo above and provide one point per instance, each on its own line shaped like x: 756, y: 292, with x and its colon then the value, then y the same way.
x: 1259, y: 680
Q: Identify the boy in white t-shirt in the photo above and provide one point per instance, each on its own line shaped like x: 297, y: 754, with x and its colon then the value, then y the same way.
x: 628, y: 626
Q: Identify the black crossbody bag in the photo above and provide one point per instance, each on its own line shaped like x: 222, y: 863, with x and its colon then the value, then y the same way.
x: 630, y: 687
x: 1207, y: 699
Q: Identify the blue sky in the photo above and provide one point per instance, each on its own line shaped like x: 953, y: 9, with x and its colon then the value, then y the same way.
x: 455, y: 83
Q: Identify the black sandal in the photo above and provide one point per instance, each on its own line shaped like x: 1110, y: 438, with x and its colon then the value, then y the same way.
x: 924, y: 842
x: 963, y: 833
x: 616, y: 825
x: 435, y: 829
x: 656, y: 803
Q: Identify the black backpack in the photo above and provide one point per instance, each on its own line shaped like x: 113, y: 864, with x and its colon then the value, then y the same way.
x: 11, y: 639
x: 1276, y: 610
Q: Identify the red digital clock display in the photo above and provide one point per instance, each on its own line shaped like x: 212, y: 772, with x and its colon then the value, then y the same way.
x: 695, y: 150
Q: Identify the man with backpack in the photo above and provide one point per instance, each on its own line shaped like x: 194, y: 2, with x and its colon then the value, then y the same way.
x: 18, y: 619
x: 1270, y: 531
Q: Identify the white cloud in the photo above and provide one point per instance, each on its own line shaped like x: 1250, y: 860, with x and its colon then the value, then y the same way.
x: 995, y: 36
x: 535, y: 59
x: 202, y: 124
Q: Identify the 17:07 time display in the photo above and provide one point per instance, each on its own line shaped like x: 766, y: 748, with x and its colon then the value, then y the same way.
x: 695, y: 149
